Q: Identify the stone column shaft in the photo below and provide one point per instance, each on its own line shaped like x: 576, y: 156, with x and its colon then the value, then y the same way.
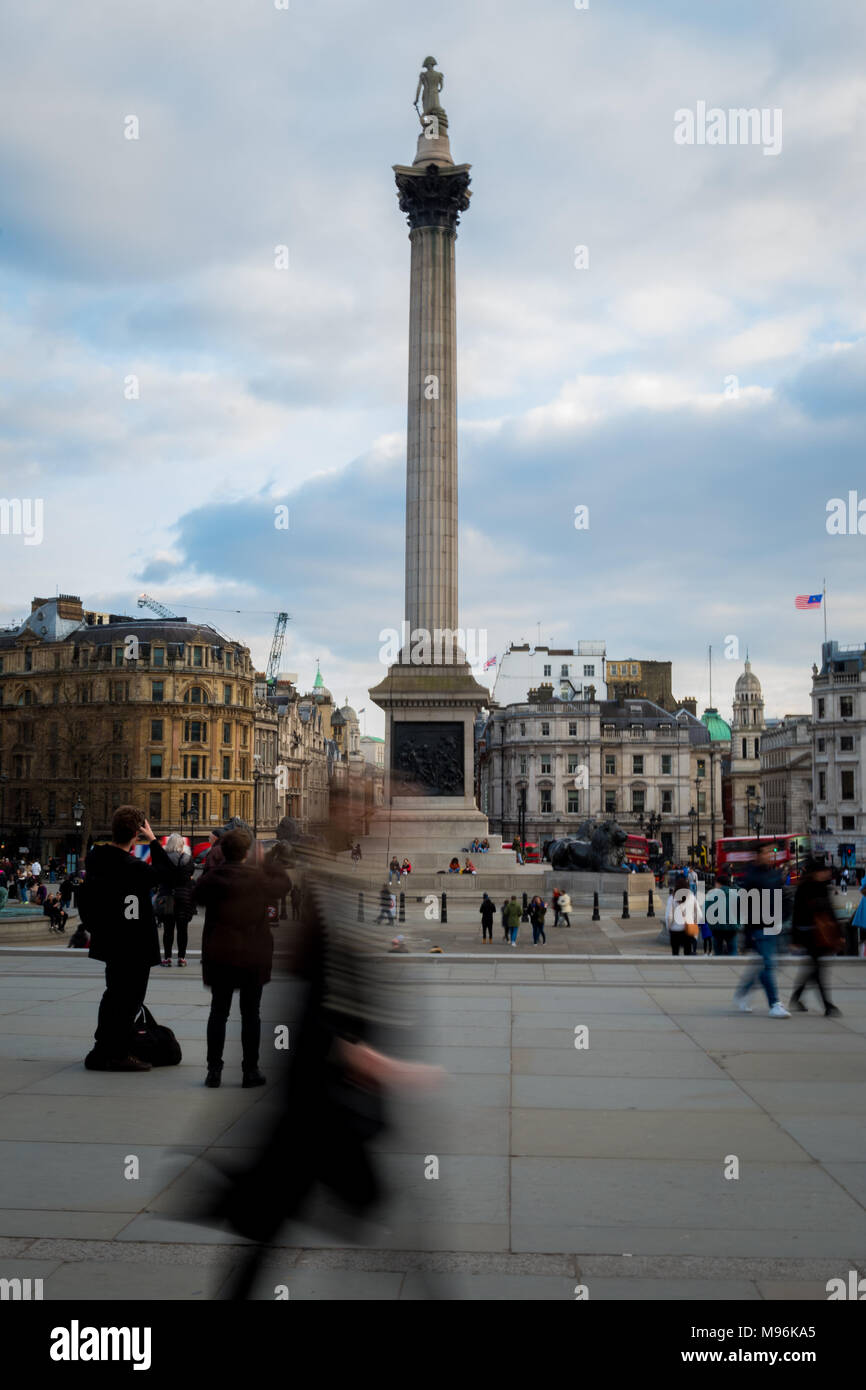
x: 431, y: 454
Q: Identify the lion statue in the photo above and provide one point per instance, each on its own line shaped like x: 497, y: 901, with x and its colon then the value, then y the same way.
x: 597, y: 849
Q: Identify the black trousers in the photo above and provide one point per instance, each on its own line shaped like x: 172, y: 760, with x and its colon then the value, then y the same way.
x: 125, y: 988
x: 681, y: 939
x: 813, y: 974
x: 486, y: 929
x: 168, y: 926
x: 246, y: 982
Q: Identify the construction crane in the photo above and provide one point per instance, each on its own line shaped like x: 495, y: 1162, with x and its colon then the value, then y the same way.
x: 273, y: 669
x: 145, y: 601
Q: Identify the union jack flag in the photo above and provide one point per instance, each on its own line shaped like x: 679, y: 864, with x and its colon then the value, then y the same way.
x: 491, y: 661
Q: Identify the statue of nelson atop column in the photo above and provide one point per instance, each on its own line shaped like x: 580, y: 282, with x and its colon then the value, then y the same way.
x: 430, y: 84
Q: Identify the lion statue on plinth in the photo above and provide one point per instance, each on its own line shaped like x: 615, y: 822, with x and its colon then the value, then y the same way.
x: 596, y: 849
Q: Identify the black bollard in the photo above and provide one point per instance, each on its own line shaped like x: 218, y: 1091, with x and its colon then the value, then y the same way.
x: 596, y: 915
x: 525, y: 917
x: 360, y: 907
x: 625, y: 912
x: 401, y: 914
x: 650, y: 912
x: 444, y: 916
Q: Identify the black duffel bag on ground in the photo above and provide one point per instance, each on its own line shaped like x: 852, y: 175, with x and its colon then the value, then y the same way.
x: 153, y: 1042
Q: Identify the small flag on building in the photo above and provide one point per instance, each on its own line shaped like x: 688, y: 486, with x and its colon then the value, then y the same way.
x: 808, y: 601
x: 491, y: 661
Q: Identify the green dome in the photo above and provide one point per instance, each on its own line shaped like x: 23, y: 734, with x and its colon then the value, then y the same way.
x: 719, y: 731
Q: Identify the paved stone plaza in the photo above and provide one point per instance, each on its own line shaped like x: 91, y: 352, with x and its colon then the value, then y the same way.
x: 557, y: 1165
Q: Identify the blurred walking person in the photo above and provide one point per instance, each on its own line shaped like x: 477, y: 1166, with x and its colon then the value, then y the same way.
x: 682, y: 917
x: 537, y: 914
x: 762, y: 879
x: 512, y: 918
x: 814, y: 927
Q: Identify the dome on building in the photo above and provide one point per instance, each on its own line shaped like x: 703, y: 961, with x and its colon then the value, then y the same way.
x: 719, y: 730
x: 748, y: 682
x: 320, y: 690
x: 348, y: 713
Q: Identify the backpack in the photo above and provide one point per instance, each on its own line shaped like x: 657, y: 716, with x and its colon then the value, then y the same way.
x: 153, y: 1042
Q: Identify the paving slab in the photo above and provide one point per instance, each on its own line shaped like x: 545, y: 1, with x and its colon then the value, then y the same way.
x: 664, y: 1134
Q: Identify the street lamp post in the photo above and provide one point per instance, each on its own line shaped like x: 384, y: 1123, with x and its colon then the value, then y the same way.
x: 257, y: 777
x: 759, y: 821
x: 693, y: 815
x: 189, y: 817
x: 78, y: 819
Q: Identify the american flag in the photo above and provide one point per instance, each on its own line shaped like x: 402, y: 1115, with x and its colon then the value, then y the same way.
x: 808, y: 601
x: 491, y: 661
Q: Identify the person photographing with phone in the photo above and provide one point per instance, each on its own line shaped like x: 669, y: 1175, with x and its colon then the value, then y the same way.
x: 115, y: 907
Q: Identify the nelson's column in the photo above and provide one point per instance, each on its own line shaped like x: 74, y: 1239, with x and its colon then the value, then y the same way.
x: 429, y: 695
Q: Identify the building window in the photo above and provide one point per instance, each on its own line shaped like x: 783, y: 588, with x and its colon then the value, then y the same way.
x: 118, y: 656
x: 117, y: 731
x: 610, y: 803
x: 589, y: 670
x: 244, y: 733
x: 548, y: 670
x: 226, y: 812
x: 634, y: 670
x: 573, y: 803
x: 523, y: 731
x: 848, y: 822
x: 638, y: 800
x: 846, y: 706
x: 667, y: 801
x: 227, y: 733
x: 196, y: 696
x: 822, y: 786
x: 545, y: 801
x: 28, y: 660
x: 573, y: 762
x: 195, y: 731
x: 609, y: 765
x: 846, y: 743
x: 572, y: 728
x: 227, y: 658
x: 745, y: 748
x: 227, y: 767
x: 523, y: 764
x: 194, y: 767
x: 155, y: 807
x: 822, y: 822
x: 702, y: 803
x: 227, y: 694
x: 821, y: 708
x: 563, y: 672
x: 545, y: 729
x: 545, y: 764
x: 637, y: 764
x: 157, y: 656
x: 157, y: 691
x: 156, y: 764
x: 847, y: 786
x: 821, y: 742
x: 156, y: 730
x: 702, y: 767
x: 667, y: 763
x: 197, y: 656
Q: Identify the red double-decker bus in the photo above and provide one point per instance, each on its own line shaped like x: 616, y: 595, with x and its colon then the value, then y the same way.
x: 735, y: 852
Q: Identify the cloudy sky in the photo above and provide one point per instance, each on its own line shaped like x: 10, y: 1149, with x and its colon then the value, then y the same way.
x: 700, y: 386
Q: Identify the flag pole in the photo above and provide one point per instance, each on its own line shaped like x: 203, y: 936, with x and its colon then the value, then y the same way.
x: 824, y: 606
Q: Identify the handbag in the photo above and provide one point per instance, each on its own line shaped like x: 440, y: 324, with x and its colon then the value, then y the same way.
x: 153, y: 1042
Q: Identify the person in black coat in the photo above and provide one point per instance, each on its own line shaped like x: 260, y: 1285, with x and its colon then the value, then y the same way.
x: 114, y: 903
x: 174, y: 906
x: 488, y: 912
x: 237, y: 947
x: 814, y: 928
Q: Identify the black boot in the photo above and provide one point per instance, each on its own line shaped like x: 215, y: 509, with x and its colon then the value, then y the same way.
x: 214, y: 1074
x: 253, y: 1077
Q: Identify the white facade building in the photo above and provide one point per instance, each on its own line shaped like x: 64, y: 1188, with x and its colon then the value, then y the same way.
x: 571, y: 672
x: 839, y: 747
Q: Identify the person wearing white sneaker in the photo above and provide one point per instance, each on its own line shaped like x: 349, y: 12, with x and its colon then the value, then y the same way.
x: 763, y: 885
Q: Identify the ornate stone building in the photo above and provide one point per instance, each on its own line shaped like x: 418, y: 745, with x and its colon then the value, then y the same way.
x: 747, y: 730
x: 606, y: 759
x: 838, y: 811
x: 97, y: 709
x: 786, y: 775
